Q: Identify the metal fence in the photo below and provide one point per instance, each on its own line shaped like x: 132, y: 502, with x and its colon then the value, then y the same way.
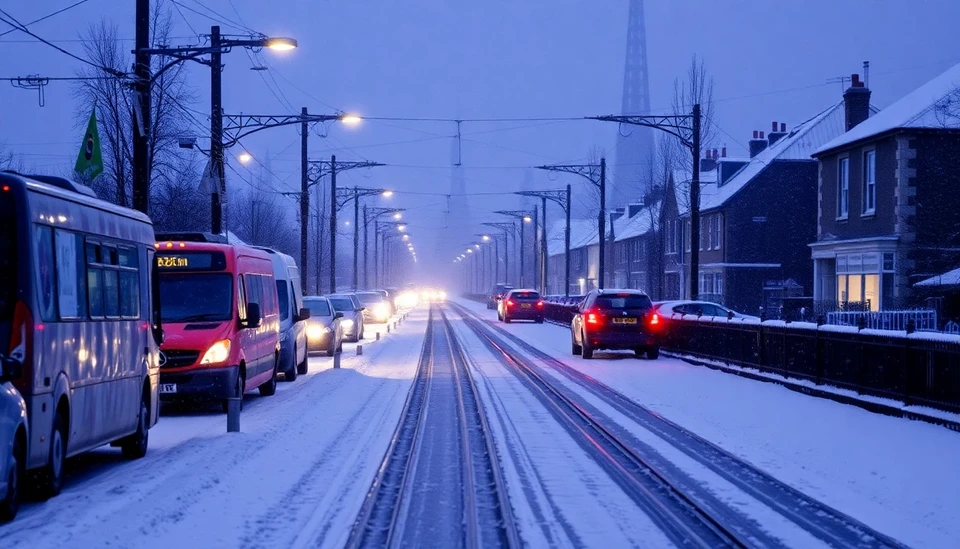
x: 916, y: 369
x: 924, y: 320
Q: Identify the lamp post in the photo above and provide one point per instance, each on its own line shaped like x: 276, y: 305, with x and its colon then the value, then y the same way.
x: 561, y: 197
x: 524, y: 217
x: 509, y: 229
x: 355, y: 194
x: 218, y: 46
x: 382, y: 228
x: 372, y: 214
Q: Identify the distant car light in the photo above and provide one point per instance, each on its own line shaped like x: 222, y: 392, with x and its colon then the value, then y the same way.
x: 381, y: 312
x: 218, y: 353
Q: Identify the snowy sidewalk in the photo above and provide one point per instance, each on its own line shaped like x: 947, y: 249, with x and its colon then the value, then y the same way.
x: 295, y: 475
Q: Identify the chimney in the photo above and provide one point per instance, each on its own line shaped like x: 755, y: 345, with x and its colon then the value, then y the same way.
x: 634, y: 208
x: 723, y: 152
x: 710, y: 161
x: 776, y: 135
x: 856, y: 102
x: 617, y: 214
x: 757, y: 144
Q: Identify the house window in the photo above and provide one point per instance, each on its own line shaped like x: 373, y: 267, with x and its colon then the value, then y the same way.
x: 717, y: 238
x: 709, y: 221
x: 687, y: 240
x: 843, y: 188
x: 861, y: 279
x: 869, y: 182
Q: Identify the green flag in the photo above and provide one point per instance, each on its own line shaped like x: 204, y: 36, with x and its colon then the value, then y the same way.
x: 90, y: 161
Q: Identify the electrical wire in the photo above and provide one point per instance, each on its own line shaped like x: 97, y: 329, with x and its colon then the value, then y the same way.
x: 185, y: 20
x: 48, y: 16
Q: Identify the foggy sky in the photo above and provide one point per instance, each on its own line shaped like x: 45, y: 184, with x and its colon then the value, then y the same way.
x: 492, y: 58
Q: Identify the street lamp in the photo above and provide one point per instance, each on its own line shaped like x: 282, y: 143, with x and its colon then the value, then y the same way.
x: 561, y: 197
x: 244, y: 158
x: 526, y: 217
x: 218, y: 45
x: 351, y: 120
x: 386, y: 194
x: 372, y: 214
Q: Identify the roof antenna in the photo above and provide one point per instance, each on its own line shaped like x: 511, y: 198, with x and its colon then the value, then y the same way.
x: 866, y: 74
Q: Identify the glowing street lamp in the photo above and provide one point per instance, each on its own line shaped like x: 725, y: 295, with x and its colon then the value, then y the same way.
x: 351, y: 120
x: 281, y: 43
x: 386, y: 194
x: 486, y: 238
x: 244, y: 157
x: 398, y: 215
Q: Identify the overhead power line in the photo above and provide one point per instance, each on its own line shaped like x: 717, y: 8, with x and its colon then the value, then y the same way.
x: 48, y: 16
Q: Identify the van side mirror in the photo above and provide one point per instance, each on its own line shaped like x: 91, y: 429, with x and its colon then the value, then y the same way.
x: 304, y: 314
x: 253, y: 315
x: 10, y: 368
x: 338, y: 314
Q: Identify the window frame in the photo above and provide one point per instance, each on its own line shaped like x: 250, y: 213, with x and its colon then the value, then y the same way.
x: 869, y: 187
x: 843, y: 187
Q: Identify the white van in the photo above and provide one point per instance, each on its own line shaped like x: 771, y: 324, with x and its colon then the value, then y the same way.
x: 293, y: 328
x: 13, y: 440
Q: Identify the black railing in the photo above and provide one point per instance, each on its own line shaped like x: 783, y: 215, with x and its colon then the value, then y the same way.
x: 916, y: 369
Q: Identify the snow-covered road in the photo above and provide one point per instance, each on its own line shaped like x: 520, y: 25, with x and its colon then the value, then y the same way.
x: 892, y: 474
x: 294, y: 477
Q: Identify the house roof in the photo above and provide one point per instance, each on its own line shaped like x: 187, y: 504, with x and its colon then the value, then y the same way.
x: 583, y: 232
x: 921, y: 108
x: 949, y: 278
x: 799, y: 144
x: 640, y: 224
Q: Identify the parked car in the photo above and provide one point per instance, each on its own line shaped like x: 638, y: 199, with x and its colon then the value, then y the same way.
x: 13, y: 438
x: 219, y: 307
x: 324, y: 328
x: 352, y: 321
x: 521, y: 305
x: 388, y: 296
x: 616, y: 319
x: 697, y: 308
x: 500, y: 290
x: 377, y: 308
x: 293, y: 316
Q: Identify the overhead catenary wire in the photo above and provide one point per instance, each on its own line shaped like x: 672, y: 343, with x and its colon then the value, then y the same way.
x: 48, y: 16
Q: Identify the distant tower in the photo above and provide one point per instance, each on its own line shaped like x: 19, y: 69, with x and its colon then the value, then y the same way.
x: 633, y: 170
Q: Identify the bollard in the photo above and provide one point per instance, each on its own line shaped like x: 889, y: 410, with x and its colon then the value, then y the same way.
x: 233, y: 414
x: 388, y: 328
x: 359, y: 350
x: 336, y: 360
x: 378, y: 336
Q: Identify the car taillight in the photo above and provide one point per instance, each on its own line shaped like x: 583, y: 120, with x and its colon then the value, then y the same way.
x: 654, y: 319
x: 509, y: 303
x: 593, y: 318
x: 540, y: 304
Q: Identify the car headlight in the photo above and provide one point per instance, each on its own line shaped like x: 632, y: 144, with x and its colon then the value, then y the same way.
x: 317, y: 330
x: 443, y: 296
x: 347, y: 323
x: 217, y: 353
x: 381, y: 311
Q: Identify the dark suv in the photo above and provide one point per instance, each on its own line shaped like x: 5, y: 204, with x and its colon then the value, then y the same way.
x: 521, y: 305
x: 616, y: 319
x: 497, y: 294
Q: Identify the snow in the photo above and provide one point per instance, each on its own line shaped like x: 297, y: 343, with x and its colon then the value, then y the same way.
x: 561, y: 497
x: 295, y: 475
x: 949, y: 278
x: 895, y: 475
x: 921, y: 108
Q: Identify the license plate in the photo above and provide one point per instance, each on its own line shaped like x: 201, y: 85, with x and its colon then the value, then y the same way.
x: 525, y: 305
x: 168, y: 387
x: 624, y: 321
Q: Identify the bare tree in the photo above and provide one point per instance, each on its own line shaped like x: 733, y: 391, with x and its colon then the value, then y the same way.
x: 178, y: 204
x: 113, y: 100
x: 697, y: 88
x: 10, y: 161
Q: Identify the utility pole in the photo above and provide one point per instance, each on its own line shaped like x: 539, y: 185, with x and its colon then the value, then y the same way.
x: 543, y: 245
x: 566, y: 245
x: 695, y: 209
x: 141, y: 110
x: 356, y: 238
x: 216, y: 131
x: 366, y: 220
x: 333, y: 223
x: 304, y: 200
x: 602, y: 227
x: 594, y: 173
x: 524, y: 217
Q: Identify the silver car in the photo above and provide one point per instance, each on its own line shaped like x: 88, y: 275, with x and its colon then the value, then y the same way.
x: 352, y: 309
x: 13, y: 439
x: 324, y: 331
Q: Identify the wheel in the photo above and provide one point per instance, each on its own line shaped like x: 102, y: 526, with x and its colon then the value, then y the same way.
x: 10, y: 503
x: 238, y: 390
x: 135, y: 445
x: 50, y: 476
x: 303, y: 367
x: 506, y: 319
x: 653, y: 353
x: 575, y: 349
x: 291, y: 374
x: 539, y: 321
x: 586, y: 349
x: 270, y: 388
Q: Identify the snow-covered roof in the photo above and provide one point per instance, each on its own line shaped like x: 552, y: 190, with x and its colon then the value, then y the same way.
x: 641, y: 223
x: 921, y: 108
x: 583, y: 232
x: 949, y: 278
x: 799, y: 144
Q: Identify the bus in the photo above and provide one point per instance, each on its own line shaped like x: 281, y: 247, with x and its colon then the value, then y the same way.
x: 77, y: 309
x: 221, y: 319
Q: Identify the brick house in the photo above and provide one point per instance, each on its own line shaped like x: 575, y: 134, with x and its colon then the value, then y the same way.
x: 888, y: 201
x: 757, y: 219
x: 636, y: 253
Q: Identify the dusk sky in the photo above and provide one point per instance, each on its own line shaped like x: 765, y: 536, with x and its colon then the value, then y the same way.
x: 492, y: 59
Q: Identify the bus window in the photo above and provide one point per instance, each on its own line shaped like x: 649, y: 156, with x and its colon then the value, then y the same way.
x: 71, y: 278
x: 129, y: 283
x: 94, y: 280
x: 43, y: 238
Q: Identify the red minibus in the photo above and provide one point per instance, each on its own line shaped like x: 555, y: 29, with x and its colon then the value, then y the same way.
x: 221, y: 321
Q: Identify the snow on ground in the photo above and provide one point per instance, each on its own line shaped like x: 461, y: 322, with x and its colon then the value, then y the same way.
x: 560, y: 496
x: 896, y: 475
x: 294, y: 477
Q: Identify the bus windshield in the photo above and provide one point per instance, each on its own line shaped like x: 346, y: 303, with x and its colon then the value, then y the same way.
x: 195, y: 297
